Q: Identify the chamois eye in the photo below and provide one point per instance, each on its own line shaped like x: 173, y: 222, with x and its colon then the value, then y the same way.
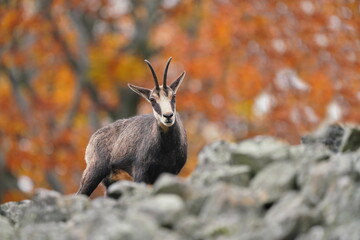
x: 152, y: 100
x: 173, y: 98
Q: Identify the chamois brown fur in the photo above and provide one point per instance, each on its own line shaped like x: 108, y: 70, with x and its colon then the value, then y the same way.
x: 143, y: 146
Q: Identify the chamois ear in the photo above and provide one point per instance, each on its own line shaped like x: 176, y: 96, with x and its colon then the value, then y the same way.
x: 144, y: 92
x: 176, y: 84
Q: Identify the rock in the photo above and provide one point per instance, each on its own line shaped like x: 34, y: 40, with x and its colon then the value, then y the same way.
x: 274, y: 180
x: 341, y: 203
x: 107, y: 224
x: 338, y: 138
x: 215, y: 154
x: 7, y: 231
x: 130, y: 192
x: 237, y: 175
x: 14, y: 211
x: 319, y: 178
x: 315, y: 233
x: 45, y: 231
x: 197, y: 202
x: 120, y: 188
x: 306, y: 158
x: 224, y: 199
x: 171, y: 184
x: 50, y: 206
x: 73, y: 204
x: 258, y: 152
x: 104, y: 203
x: 348, y: 231
x: 352, y: 140
x: 220, y: 227
x: 328, y: 135
x: 254, y: 153
x: 291, y: 216
x: 189, y: 226
x: 165, y: 209
x: 260, y: 188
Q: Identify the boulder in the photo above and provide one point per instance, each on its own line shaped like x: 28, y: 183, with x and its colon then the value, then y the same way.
x: 336, y: 137
x: 171, y: 184
x: 258, y: 152
x: 164, y: 209
x: 341, y: 202
x: 237, y: 175
x: 274, y: 180
x: 260, y: 188
x: 291, y: 216
x: 14, y: 211
x: 128, y: 188
x: 50, y: 206
x: 346, y: 231
x: 7, y: 231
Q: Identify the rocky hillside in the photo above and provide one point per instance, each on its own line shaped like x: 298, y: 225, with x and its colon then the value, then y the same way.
x: 260, y: 188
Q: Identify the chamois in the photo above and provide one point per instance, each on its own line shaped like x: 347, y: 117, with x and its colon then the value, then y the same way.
x: 143, y: 146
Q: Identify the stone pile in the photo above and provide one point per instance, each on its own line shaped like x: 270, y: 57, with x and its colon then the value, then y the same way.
x: 261, y: 188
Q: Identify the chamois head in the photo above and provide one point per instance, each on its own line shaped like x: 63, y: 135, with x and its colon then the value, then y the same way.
x: 161, y: 97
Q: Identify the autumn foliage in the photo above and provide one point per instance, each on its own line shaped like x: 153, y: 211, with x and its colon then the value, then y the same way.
x: 253, y: 67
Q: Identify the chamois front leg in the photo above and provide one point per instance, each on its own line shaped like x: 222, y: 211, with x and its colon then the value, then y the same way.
x: 92, y: 176
x: 140, y: 174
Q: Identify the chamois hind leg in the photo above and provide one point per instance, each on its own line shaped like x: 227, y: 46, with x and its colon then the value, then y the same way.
x: 92, y: 176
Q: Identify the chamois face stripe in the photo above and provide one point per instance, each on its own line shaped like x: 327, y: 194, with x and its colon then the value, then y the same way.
x: 172, y: 106
x: 156, y: 108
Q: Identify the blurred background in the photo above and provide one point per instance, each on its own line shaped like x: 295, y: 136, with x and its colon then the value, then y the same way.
x: 253, y: 67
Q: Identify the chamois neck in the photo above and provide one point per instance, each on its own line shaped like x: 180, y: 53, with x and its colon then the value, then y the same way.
x: 165, y: 129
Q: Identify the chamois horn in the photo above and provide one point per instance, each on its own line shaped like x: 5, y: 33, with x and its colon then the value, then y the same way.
x: 154, y: 75
x: 165, y: 72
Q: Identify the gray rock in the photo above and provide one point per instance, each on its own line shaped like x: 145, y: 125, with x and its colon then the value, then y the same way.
x: 254, y: 153
x: 45, y: 231
x: 73, y: 204
x: 188, y: 227
x: 14, y: 211
x: 171, y: 184
x: 120, y: 188
x: 215, y: 154
x: 290, y: 216
x: 220, y: 227
x: 274, y: 180
x: 306, y: 158
x: 104, y: 203
x: 341, y: 203
x: 352, y: 140
x: 7, y: 232
x: 346, y: 164
x: 337, y: 137
x: 108, y: 224
x: 348, y: 231
x: 131, y: 192
x: 258, y: 152
x: 329, y: 135
x: 197, y: 202
x: 260, y: 188
x: 356, y: 163
x: 315, y: 233
x: 225, y: 199
x: 165, y: 209
x: 50, y: 206
x: 237, y: 175
x: 273, y: 232
x: 319, y: 179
